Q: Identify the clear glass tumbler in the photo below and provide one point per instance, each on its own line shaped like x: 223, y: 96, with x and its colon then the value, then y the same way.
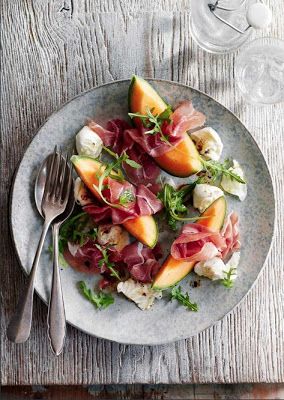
x: 213, y: 35
x: 260, y: 71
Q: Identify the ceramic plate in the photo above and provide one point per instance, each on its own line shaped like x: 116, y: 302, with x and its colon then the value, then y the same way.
x: 123, y: 322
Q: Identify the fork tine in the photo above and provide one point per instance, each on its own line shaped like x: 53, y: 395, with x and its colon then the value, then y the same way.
x: 49, y: 173
x: 63, y: 176
x: 56, y: 176
x: 68, y: 187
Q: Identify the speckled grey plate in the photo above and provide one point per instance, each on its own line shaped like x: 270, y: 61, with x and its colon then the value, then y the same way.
x: 165, y: 322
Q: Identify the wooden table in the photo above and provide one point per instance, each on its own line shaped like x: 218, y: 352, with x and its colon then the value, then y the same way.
x: 53, y: 50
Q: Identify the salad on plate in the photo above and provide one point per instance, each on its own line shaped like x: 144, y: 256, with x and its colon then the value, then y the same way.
x: 161, y: 166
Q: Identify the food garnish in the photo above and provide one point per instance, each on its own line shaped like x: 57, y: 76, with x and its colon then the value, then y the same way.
x: 77, y: 229
x: 217, y: 169
x: 126, y: 197
x: 154, y: 122
x: 228, y: 282
x: 101, y: 300
x: 183, y: 299
x: 105, y: 261
x: 173, y: 200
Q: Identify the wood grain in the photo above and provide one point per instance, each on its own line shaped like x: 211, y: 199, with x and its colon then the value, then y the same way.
x: 53, y: 50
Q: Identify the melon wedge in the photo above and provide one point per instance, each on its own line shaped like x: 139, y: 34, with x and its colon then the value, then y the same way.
x: 142, y: 96
x: 173, y: 271
x: 183, y: 160
x: 143, y: 228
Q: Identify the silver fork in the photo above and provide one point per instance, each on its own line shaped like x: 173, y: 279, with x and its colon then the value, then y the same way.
x: 55, y: 197
x: 56, y: 320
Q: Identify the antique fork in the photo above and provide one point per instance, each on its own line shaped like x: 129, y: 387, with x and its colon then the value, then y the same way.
x: 54, y: 201
x: 56, y: 320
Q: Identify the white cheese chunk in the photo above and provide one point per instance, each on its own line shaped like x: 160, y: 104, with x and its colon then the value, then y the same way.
x: 204, y: 195
x: 88, y: 143
x: 113, y: 235
x: 232, y: 186
x: 208, y: 143
x: 216, y: 269
x: 81, y: 194
x: 233, y: 264
x: 212, y: 269
x: 142, y: 294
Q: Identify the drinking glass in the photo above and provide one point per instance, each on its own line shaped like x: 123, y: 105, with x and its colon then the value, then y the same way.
x: 213, y: 35
x: 260, y: 71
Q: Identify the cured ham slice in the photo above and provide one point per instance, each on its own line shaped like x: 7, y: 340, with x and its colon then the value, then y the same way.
x: 230, y: 233
x: 186, y: 118
x: 83, y: 258
x: 117, y: 136
x: 197, y: 243
x: 146, y: 203
x: 141, y: 261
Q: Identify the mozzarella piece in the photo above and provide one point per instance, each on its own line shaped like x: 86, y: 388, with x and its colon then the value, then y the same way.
x: 231, y: 185
x: 81, y: 193
x: 233, y: 263
x: 208, y: 143
x: 216, y: 269
x: 88, y: 143
x: 141, y: 294
x: 113, y: 235
x: 212, y: 269
x: 204, y: 195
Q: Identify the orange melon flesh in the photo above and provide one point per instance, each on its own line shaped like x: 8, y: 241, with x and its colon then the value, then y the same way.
x: 143, y: 228
x: 183, y: 160
x: 142, y: 96
x: 173, y: 271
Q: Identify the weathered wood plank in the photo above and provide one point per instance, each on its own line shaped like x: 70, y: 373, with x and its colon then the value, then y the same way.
x: 50, y: 56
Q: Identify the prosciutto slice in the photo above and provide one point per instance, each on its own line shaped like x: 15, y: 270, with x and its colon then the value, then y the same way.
x: 186, y: 118
x: 197, y: 243
x: 137, y: 260
x: 118, y: 137
x: 83, y: 258
x: 141, y: 261
x: 146, y: 203
x: 231, y: 235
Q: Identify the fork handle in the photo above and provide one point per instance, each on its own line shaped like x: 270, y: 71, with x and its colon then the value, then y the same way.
x: 19, y: 328
x: 56, y: 311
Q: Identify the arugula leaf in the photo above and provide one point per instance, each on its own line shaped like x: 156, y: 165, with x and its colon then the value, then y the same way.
x: 154, y: 121
x: 126, y: 197
x: 133, y: 163
x: 216, y: 169
x: 101, y: 300
x: 105, y: 261
x: 183, y: 299
x: 227, y: 281
x: 75, y: 230
x: 173, y: 200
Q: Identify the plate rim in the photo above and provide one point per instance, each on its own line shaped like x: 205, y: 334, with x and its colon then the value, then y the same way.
x: 11, y: 195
